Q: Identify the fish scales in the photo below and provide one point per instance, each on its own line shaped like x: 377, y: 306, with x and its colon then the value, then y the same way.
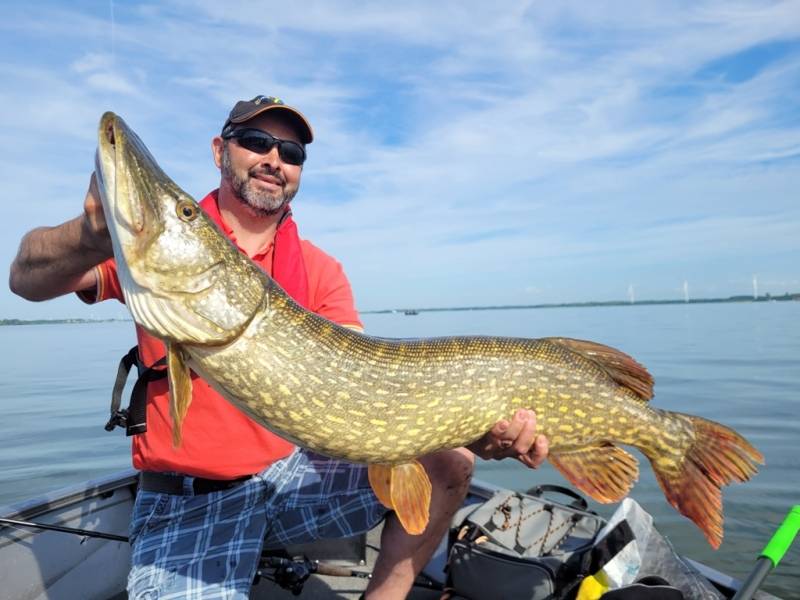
x: 419, y: 380
x: 381, y: 401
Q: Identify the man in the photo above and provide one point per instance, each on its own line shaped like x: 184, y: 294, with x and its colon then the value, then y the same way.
x: 204, y: 510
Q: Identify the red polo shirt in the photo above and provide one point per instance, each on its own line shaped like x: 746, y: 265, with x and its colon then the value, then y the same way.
x: 219, y: 441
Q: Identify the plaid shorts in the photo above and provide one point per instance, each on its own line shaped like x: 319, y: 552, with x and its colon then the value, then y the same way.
x: 208, y: 546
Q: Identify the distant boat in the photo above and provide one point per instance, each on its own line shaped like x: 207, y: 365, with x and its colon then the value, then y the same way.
x: 411, y: 311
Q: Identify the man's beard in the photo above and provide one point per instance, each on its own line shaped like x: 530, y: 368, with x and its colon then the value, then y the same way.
x: 261, y: 202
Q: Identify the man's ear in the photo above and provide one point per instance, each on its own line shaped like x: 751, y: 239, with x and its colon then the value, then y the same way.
x: 217, y: 147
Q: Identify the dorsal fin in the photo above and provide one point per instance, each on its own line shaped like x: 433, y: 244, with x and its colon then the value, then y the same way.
x: 619, y: 366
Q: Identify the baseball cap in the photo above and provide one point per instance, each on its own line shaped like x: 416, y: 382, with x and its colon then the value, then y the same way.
x: 244, y: 110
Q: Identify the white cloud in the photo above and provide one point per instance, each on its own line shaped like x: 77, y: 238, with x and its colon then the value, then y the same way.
x: 92, y: 62
x: 525, y: 141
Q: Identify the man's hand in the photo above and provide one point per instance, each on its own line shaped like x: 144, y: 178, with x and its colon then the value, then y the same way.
x: 515, y: 439
x: 94, y: 230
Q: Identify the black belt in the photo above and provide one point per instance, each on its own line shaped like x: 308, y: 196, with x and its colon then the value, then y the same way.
x: 164, y: 483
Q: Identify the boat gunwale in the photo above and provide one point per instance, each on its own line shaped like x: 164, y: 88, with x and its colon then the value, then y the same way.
x: 64, y: 497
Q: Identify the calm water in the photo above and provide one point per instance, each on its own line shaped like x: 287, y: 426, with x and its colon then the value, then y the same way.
x: 736, y: 363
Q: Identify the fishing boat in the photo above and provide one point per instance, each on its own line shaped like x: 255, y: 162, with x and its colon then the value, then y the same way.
x: 72, y: 544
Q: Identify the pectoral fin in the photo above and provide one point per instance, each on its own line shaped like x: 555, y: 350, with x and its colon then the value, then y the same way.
x: 604, y: 472
x: 406, y: 489
x: 180, y: 389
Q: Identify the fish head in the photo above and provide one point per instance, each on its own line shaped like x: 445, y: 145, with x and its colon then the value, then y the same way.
x: 182, y: 279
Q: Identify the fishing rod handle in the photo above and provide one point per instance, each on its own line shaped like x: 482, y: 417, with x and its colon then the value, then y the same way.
x: 771, y: 555
x: 753, y: 582
x: 783, y: 537
x: 336, y: 571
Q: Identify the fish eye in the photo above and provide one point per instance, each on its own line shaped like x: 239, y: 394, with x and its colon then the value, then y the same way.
x: 187, y: 211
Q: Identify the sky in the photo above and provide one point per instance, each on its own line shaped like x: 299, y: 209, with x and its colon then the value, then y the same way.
x: 466, y: 153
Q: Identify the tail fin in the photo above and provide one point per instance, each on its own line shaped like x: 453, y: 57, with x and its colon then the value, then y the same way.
x: 717, y: 456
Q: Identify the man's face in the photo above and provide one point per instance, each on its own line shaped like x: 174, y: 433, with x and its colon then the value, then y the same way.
x: 263, y: 182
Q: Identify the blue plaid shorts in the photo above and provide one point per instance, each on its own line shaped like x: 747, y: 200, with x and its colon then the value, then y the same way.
x: 207, y: 546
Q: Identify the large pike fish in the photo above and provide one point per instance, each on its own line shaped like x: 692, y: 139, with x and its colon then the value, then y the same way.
x: 381, y: 401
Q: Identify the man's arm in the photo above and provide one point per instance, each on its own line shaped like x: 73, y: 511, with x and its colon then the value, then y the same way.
x: 53, y: 261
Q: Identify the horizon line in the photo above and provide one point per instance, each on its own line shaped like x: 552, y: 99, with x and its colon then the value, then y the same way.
x: 767, y: 297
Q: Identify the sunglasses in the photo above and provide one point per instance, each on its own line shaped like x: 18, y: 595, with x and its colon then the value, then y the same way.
x: 261, y: 142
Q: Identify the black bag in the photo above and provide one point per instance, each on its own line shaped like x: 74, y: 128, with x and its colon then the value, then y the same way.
x: 521, y: 546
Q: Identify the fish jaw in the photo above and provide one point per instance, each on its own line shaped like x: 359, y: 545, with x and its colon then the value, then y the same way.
x: 128, y: 214
x: 182, y: 280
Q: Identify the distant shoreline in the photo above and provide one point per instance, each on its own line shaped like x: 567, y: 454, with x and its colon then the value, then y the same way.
x: 10, y: 322
x: 415, y: 311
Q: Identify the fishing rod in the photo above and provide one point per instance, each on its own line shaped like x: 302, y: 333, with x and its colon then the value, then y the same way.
x: 772, y: 554
x: 289, y: 573
x: 292, y: 573
x: 62, y: 529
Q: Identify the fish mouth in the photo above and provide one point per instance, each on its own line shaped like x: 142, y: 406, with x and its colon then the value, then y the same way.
x: 117, y: 165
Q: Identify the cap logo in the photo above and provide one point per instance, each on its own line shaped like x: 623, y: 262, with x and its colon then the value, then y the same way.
x: 268, y: 99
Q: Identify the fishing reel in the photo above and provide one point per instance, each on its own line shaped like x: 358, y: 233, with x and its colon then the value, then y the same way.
x: 292, y: 572
x: 289, y: 573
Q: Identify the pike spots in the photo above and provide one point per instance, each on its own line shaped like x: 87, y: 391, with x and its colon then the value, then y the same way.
x: 363, y: 399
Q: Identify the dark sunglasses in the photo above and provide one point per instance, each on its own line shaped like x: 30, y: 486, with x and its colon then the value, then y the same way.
x: 261, y: 142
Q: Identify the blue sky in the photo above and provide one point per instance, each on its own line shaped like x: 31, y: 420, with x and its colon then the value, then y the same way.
x: 465, y: 153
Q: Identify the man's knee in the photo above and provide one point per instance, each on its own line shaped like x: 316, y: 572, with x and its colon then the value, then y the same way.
x: 451, y: 470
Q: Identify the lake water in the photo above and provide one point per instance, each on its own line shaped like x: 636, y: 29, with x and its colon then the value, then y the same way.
x: 735, y: 363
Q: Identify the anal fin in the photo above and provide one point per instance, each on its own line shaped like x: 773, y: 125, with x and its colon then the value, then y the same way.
x: 180, y: 389
x: 604, y: 472
x: 406, y: 489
